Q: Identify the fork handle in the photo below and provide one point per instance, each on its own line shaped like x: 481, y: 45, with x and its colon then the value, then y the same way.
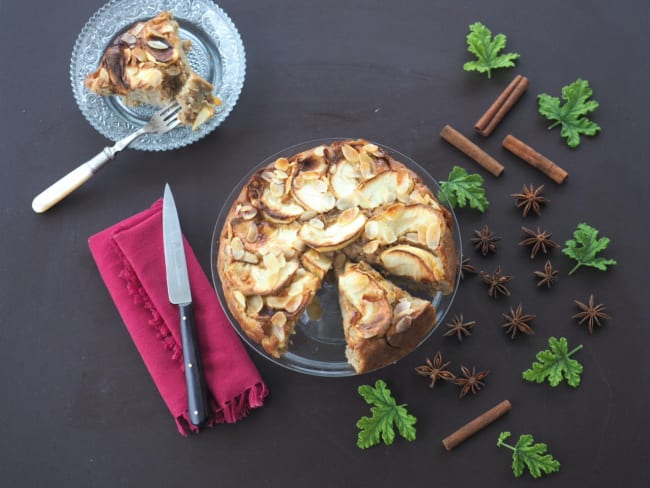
x: 70, y: 182
x: 77, y: 177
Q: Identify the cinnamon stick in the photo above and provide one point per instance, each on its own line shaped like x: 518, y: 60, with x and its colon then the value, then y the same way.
x: 535, y: 159
x: 463, y: 144
x: 501, y: 106
x: 479, y: 423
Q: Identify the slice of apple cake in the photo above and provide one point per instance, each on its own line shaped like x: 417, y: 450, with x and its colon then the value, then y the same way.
x: 147, y: 64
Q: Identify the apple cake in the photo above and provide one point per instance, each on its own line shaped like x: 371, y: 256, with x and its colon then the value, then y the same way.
x: 346, y: 210
x: 147, y: 64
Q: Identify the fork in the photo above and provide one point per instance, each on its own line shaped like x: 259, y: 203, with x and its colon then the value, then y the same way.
x: 162, y: 121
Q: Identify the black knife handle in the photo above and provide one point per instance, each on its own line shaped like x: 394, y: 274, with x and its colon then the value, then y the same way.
x: 196, y: 398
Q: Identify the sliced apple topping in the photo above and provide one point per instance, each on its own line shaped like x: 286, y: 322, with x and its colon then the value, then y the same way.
x: 279, y: 207
x: 264, y: 278
x: 416, y: 223
x: 385, y: 188
x: 296, y: 296
x: 412, y: 262
x: 312, y: 190
x: 345, y: 179
x: 316, y: 262
x: 346, y: 228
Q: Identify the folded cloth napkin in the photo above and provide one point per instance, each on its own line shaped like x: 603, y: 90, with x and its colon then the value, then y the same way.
x: 131, y: 261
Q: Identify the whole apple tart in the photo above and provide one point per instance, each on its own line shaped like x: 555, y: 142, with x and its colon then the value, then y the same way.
x: 345, y: 211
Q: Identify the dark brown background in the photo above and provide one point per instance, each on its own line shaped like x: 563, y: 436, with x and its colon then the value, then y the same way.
x: 78, y: 406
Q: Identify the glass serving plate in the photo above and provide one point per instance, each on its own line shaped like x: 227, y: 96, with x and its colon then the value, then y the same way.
x: 217, y: 55
x: 318, y: 346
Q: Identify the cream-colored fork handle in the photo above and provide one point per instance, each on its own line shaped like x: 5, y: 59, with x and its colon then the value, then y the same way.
x: 77, y: 177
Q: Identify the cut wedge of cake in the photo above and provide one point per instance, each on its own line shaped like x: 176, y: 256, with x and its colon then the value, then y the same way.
x: 382, y: 322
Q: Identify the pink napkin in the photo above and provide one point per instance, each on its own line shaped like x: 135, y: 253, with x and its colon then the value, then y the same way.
x: 131, y: 261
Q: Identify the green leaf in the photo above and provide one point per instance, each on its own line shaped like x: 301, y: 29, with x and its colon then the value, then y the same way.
x: 555, y: 364
x: 572, y: 114
x: 462, y: 189
x: 385, y: 415
x: 525, y: 454
x: 584, y: 246
x: 486, y: 49
x: 502, y: 437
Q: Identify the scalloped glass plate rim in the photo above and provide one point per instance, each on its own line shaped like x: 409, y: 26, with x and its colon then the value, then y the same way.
x: 220, y: 36
x: 290, y: 360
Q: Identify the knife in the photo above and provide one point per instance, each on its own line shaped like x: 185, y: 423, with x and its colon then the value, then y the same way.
x: 178, y: 289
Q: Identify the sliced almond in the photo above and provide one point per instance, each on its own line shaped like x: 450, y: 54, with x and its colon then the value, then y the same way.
x: 295, y: 289
x: 251, y: 258
x: 237, y: 248
x: 310, y: 175
x: 279, y: 319
x: 370, y: 148
x: 319, y: 151
x: 253, y: 233
x: 294, y: 304
x: 346, y: 202
x: 247, y: 212
x: 350, y: 153
x: 348, y: 215
x: 276, y: 189
x: 366, y: 166
x: 412, y: 237
x: 280, y: 175
x: 371, y: 229
x: 371, y: 247
x: 401, y: 308
x: 317, y: 223
x: 239, y: 297
x: 308, y: 215
x: 254, y: 304
x: 271, y: 262
x: 404, y: 324
x: 433, y: 236
x: 157, y: 44
x: 282, y: 164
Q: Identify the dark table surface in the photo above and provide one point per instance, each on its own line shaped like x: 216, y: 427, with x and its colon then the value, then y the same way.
x: 78, y: 406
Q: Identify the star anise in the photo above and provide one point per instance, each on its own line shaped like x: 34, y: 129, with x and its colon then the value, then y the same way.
x: 539, y: 240
x: 517, y: 321
x: 548, y: 276
x: 435, y: 370
x: 465, y: 267
x: 471, y: 382
x: 496, y: 283
x: 485, y: 240
x: 590, y: 313
x: 530, y: 199
x: 459, y: 328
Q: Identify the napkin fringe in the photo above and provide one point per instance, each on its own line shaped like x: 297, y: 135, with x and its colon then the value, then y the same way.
x: 140, y: 297
x: 236, y: 409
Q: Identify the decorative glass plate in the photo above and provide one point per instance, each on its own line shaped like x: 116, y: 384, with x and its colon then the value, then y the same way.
x: 217, y: 55
x: 318, y: 346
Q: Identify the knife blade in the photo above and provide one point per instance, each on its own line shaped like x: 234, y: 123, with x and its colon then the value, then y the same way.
x: 178, y: 290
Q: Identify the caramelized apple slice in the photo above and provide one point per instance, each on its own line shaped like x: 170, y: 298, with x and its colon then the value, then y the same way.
x: 412, y: 262
x: 265, y: 278
x: 346, y: 228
